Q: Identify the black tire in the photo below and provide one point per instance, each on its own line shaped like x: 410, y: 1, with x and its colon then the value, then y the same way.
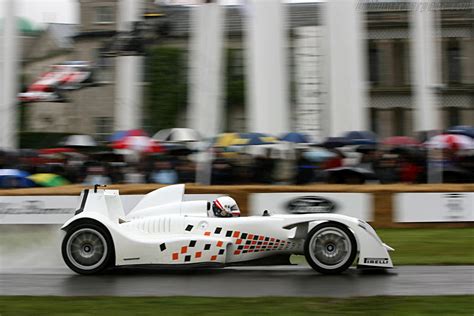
x: 87, y: 248
x: 337, y: 248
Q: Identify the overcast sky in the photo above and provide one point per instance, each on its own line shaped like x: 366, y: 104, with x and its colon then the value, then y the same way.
x: 44, y: 11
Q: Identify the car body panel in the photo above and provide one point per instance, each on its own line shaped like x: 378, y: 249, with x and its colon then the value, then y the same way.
x: 172, y: 232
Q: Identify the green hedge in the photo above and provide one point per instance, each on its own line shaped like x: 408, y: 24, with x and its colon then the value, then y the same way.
x: 166, y: 93
x: 40, y: 140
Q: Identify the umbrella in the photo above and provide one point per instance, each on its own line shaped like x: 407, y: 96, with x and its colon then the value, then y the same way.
x: 335, y: 142
x: 14, y: 178
x: 78, y: 141
x: 361, y: 137
x: 349, y: 175
x: 462, y: 130
x: 293, y: 137
x: 224, y: 139
x: 318, y: 154
x: 48, y: 179
x: 450, y: 141
x: 400, y: 141
x: 252, y: 139
x: 13, y: 173
x: 177, y: 135
x: 138, y: 143
x: 119, y: 135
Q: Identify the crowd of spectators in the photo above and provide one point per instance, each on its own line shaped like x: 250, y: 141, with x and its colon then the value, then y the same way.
x: 351, y: 165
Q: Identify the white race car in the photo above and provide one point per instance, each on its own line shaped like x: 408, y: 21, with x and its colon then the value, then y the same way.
x: 164, y: 230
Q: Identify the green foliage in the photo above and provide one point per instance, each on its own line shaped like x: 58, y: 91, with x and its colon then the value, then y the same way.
x: 166, y: 93
x: 167, y: 90
x: 116, y: 306
x: 40, y: 140
x: 235, y: 78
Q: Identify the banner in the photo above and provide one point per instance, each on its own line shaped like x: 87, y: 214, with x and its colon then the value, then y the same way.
x: 358, y: 205
x: 58, y: 209
x: 434, y: 207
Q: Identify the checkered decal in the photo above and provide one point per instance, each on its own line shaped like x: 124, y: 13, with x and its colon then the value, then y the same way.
x: 196, y: 251
x: 245, y: 242
x: 249, y: 243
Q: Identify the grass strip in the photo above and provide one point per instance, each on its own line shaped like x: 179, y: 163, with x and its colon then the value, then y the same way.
x: 430, y: 246
x: 117, y: 306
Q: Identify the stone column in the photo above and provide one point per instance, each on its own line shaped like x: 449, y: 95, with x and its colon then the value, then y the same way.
x: 424, y: 66
x: 205, y: 113
x: 347, y: 86
x: 9, y: 65
x: 309, y: 81
x: 129, y: 77
x: 267, y: 85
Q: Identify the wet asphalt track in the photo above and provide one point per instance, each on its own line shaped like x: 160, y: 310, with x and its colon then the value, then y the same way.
x: 244, y: 281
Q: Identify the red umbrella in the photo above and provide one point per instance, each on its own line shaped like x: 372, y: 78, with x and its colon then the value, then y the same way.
x: 120, y: 135
x: 400, y: 141
x: 451, y: 141
x: 138, y: 143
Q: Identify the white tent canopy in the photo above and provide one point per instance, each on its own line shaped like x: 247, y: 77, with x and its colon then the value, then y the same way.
x: 177, y: 135
x: 79, y: 141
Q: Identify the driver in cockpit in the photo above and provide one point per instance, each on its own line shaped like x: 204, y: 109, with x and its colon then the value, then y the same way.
x: 225, y: 206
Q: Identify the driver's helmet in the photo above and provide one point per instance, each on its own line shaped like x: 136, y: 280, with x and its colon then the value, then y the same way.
x: 225, y: 206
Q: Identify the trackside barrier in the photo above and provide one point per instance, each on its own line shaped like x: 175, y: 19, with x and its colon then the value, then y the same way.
x: 397, y: 205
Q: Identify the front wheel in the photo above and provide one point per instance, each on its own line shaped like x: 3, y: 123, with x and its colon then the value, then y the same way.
x: 330, y: 248
x: 87, y: 248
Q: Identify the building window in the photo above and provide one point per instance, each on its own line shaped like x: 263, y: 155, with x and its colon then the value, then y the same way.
x: 454, y: 62
x: 399, y: 121
x: 374, y: 77
x: 399, y: 71
x: 104, y: 15
x: 373, y: 120
x: 453, y: 116
x: 104, y: 67
x: 103, y: 127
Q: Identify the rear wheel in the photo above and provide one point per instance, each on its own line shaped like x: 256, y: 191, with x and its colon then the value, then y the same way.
x: 330, y: 248
x: 87, y: 248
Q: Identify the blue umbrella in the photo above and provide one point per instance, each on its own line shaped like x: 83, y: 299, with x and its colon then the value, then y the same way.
x: 461, y: 130
x: 361, y: 137
x: 117, y: 136
x: 14, y: 178
x: 334, y: 142
x: 293, y: 137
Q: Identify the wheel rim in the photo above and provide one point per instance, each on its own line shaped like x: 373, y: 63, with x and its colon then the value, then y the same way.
x: 330, y: 248
x: 86, y: 249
